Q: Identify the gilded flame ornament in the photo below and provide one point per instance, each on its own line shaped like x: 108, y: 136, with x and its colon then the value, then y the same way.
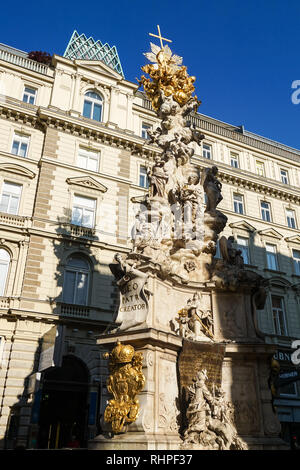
x: 126, y: 380
x: 167, y: 74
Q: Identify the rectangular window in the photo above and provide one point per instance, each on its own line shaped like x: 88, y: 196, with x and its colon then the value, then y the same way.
x: 238, y: 203
x: 10, y: 198
x: 290, y: 218
x: 145, y: 128
x: 143, y: 179
x: 29, y: 95
x: 289, y: 390
x: 265, y: 211
x: 20, y: 145
x: 272, y: 262
x: 278, y: 315
x: 284, y: 176
x: 206, y: 151
x: 260, y: 168
x: 88, y: 159
x: 296, y: 260
x: 83, y: 211
x: 234, y: 160
x: 243, y: 245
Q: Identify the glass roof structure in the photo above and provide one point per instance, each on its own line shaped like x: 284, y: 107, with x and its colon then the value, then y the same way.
x: 81, y: 47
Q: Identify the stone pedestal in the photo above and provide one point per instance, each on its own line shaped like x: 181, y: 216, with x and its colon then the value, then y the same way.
x: 157, y: 426
x: 237, y: 360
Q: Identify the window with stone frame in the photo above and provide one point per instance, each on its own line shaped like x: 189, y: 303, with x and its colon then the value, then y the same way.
x: 234, y: 160
x: 296, y: 261
x: 20, y: 144
x: 243, y: 245
x: 272, y: 259
x: 83, y: 211
x: 145, y: 128
x: 88, y: 159
x: 207, y: 151
x: 265, y: 209
x: 238, y: 203
x: 143, y: 177
x: 76, y: 280
x: 279, y: 317
x: 290, y: 218
x: 10, y: 197
x: 260, y: 168
x: 4, y: 268
x: 284, y: 175
x: 93, y: 106
x: 29, y: 95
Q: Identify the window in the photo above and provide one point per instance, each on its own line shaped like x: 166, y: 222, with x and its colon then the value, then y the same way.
x: 218, y: 252
x: 88, y: 159
x: 290, y: 218
x: 289, y: 390
x: 265, y: 211
x: 234, y: 160
x: 278, y: 315
x: 29, y: 95
x: 206, y: 151
x: 243, y: 245
x: 238, y: 203
x: 284, y: 176
x: 272, y: 262
x: 144, y: 182
x: 260, y: 168
x: 145, y: 128
x: 92, y: 107
x: 20, y: 145
x: 296, y: 260
x: 4, y: 265
x: 10, y: 198
x: 83, y: 211
x: 76, y: 281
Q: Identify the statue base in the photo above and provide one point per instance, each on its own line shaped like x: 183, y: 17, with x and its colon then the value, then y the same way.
x: 236, y: 360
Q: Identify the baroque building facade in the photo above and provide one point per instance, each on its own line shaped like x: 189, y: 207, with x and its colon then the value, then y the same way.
x: 73, y: 153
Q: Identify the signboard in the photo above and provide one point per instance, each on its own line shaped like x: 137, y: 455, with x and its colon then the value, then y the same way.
x: 52, y: 348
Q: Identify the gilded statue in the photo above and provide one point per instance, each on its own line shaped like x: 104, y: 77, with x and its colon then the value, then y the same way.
x: 125, y: 381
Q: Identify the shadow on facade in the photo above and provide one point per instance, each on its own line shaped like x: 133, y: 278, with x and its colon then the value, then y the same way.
x: 59, y: 405
x: 278, y: 323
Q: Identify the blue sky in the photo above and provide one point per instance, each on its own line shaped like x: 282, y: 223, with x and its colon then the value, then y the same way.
x: 244, y: 54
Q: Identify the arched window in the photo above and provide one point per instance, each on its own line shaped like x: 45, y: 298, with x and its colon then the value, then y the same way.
x: 76, y: 281
x: 4, y: 265
x: 92, y: 107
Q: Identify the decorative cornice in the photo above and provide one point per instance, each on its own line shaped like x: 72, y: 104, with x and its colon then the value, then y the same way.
x: 17, y: 169
x: 242, y: 225
x: 87, y: 182
x: 293, y: 239
x: 270, y: 232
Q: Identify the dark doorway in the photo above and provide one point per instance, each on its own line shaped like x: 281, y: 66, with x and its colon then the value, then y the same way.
x: 63, y: 412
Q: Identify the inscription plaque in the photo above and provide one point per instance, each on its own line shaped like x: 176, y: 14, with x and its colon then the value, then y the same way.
x: 197, y: 356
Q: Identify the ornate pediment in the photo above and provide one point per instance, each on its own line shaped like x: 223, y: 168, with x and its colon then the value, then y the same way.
x: 99, y: 67
x: 87, y: 182
x: 293, y: 239
x: 270, y: 232
x: 242, y: 225
x: 17, y: 170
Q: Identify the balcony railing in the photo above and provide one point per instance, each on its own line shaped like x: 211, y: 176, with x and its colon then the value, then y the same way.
x: 23, y: 62
x: 70, y: 310
x: 14, y: 220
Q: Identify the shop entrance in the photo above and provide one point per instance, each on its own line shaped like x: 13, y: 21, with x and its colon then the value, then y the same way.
x: 63, y: 411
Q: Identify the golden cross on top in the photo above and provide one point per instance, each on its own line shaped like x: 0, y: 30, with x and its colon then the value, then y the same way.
x: 159, y: 36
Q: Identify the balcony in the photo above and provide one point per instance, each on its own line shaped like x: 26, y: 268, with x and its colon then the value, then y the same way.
x: 15, y: 220
x: 78, y: 231
x: 24, y: 62
x: 71, y: 310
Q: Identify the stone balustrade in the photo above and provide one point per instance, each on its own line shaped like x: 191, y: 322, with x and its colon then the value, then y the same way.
x: 23, y: 62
